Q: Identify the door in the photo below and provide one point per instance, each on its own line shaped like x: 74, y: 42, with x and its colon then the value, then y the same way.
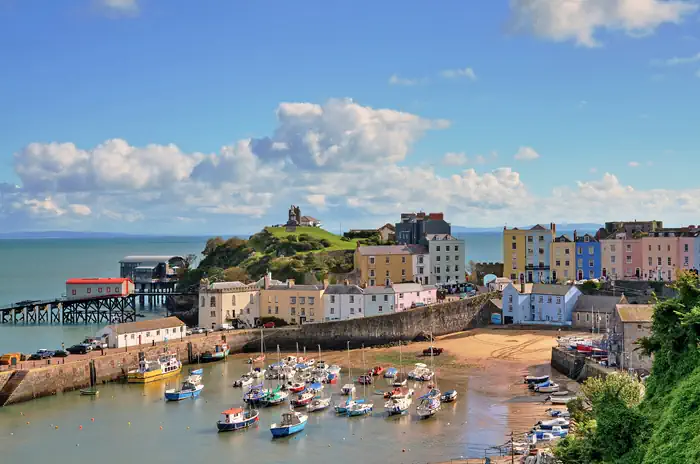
x: 580, y: 275
x: 554, y: 276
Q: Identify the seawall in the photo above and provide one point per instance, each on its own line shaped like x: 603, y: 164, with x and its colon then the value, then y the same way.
x: 577, y: 366
x: 441, y: 319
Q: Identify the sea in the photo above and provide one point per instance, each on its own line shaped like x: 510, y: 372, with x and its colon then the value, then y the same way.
x: 37, y: 269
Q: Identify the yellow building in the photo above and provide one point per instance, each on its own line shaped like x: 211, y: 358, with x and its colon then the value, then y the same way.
x: 221, y: 303
x: 514, y: 250
x: 386, y: 264
x: 563, y: 259
x: 295, y: 304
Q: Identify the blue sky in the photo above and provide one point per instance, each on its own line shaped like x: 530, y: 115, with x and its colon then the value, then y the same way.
x: 215, y: 116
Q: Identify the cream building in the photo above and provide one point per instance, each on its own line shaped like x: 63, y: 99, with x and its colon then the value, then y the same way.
x: 223, y: 304
x: 296, y: 304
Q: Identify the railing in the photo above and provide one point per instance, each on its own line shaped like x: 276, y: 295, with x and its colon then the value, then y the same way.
x: 533, y: 267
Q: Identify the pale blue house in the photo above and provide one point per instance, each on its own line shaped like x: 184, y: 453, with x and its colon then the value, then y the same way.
x: 538, y: 245
x: 539, y: 304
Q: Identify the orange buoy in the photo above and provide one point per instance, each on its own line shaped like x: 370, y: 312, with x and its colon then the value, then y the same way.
x: 93, y: 419
x: 161, y: 427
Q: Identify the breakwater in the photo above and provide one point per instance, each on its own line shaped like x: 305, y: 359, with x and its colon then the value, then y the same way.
x: 413, y: 325
x: 577, y: 366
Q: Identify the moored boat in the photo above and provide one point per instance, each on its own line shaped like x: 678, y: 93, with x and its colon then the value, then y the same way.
x: 255, y: 394
x: 342, y: 408
x: 391, y: 393
x: 449, y: 396
x: 376, y: 370
x: 220, y: 352
x: 397, y: 405
x: 557, y: 412
x: 190, y: 388
x: 428, y: 406
x: 257, y: 373
x: 292, y: 422
x: 360, y: 409
x: 295, y: 387
x: 302, y: 399
x: 400, y: 380
x: 245, y: 380
x: 315, y: 388
x: 90, y: 391
x: 390, y: 373
x: 535, y: 379
x: 334, y: 369
x: 365, y: 379
x: 348, y: 389
x: 236, y: 419
x: 274, y: 397
x: 166, y: 366
x: 318, y: 404
x: 199, y: 371
x: 551, y: 388
x: 559, y: 399
x: 556, y: 422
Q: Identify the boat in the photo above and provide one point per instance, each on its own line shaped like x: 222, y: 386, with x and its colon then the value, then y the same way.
x: 290, y: 360
x: 535, y: 379
x: 348, y: 389
x: 400, y: 380
x: 257, y: 373
x: 342, y: 408
x: 360, y: 409
x: 190, y: 388
x: 551, y: 388
x: 421, y: 373
x: 236, y: 419
x: 318, y: 404
x: 302, y: 399
x: 255, y: 394
x: 220, y: 352
x: 390, y: 373
x: 397, y: 405
x: 561, y: 393
x: 334, y: 369
x: 376, y: 370
x: 166, y: 366
x: 199, y: 371
x: 89, y: 391
x: 449, y: 396
x: 428, y: 407
x: 558, y: 421
x: 365, y: 379
x: 271, y: 374
x: 315, y: 388
x: 404, y: 392
x: 557, y: 412
x: 555, y: 431
x: 295, y: 387
x: 287, y: 372
x: 292, y: 422
x: 311, y: 362
x: 258, y: 359
x: 275, y: 397
x: 546, y: 383
x: 245, y: 380
x: 391, y: 393
x: 559, y: 399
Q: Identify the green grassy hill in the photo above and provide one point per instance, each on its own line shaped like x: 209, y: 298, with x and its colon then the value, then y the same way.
x: 315, y: 233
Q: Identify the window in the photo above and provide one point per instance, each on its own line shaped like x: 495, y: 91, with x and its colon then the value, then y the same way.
x: 510, y: 298
x: 668, y: 247
x: 515, y: 266
x: 401, y: 295
x: 456, y: 268
x: 247, y: 310
x: 580, y: 263
x: 447, y: 268
x: 372, y: 282
x: 591, y: 250
x: 420, y: 270
x: 549, y: 299
x: 403, y: 260
x: 579, y: 251
x: 133, y: 336
x: 380, y: 309
x: 74, y: 292
x: 312, y: 299
x: 557, y: 263
x: 148, y: 334
x: 629, y: 259
x: 403, y: 272
x: 292, y: 300
x: 447, y: 248
x: 387, y: 273
x: 371, y: 272
x: 437, y: 278
x: 99, y: 290
x: 386, y: 260
x: 277, y: 309
x: 685, y: 260
x: 659, y: 247
x: 437, y: 258
x: 420, y: 259
x: 558, y: 300
x: 541, y: 251
x: 513, y: 246
x: 447, y: 258
x: 386, y: 297
x: 437, y: 248
x: 212, y: 301
x: 529, y: 251
x: 658, y: 261
x: 374, y: 297
x: 89, y: 290
x: 685, y: 247
x: 612, y: 248
x: 157, y: 332
x: 566, y: 251
x: 352, y: 298
x: 591, y: 263
x: 332, y: 298
x: 512, y: 277
x: 456, y: 248
x: 591, y: 274
x: 541, y: 299
x: 567, y: 263
x: 303, y: 312
x: 109, y: 289
x: 541, y: 237
x: 529, y: 238
x: 614, y: 272
x: 293, y: 311
x: 212, y: 314
x: 649, y: 247
x: 669, y: 260
x: 669, y: 274
x: 437, y: 270
x: 371, y: 259
x: 352, y: 310
x: 302, y: 300
x: 269, y: 310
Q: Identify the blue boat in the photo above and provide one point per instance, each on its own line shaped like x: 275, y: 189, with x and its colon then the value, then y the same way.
x: 236, y: 419
x: 360, y: 409
x: 191, y: 388
x: 220, y: 352
x: 557, y: 432
x: 292, y: 422
x: 390, y: 373
x: 342, y: 408
x: 449, y: 396
x: 199, y: 371
x: 255, y: 395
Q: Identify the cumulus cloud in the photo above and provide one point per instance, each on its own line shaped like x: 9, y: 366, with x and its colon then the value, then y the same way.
x: 395, y: 79
x: 467, y: 73
x: 454, y: 159
x: 580, y: 20
x: 526, y: 154
x: 678, y: 60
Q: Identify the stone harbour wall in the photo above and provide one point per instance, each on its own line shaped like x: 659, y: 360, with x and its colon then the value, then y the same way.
x: 577, y: 366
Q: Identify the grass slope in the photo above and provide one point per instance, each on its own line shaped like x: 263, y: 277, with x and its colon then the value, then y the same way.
x: 317, y: 233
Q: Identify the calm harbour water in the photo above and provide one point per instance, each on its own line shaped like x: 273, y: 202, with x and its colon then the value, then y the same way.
x: 38, y: 269
x: 464, y: 428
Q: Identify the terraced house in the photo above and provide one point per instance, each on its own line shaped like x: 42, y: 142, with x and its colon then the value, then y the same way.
x: 386, y: 264
x: 587, y: 257
x: 563, y: 259
x: 296, y: 304
x: 527, y: 253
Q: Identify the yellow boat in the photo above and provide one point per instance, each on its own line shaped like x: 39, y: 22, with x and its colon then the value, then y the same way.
x: 151, y: 371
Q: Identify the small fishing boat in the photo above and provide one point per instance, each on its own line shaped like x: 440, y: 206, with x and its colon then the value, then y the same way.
x: 292, y: 422
x: 556, y: 431
x: 546, y: 383
x: 551, y: 388
x: 400, y: 380
x: 287, y: 372
x: 255, y: 394
x: 199, y: 371
x: 348, y: 389
x: 318, y: 404
x: 315, y: 388
x: 404, y: 392
x: 428, y: 406
x: 391, y: 393
x: 376, y: 370
x: 311, y: 362
x: 236, y: 419
x: 245, y: 380
x: 535, y: 379
x: 89, y: 391
x: 258, y: 359
x: 449, y: 396
x: 397, y: 406
x: 295, y: 387
x: 561, y: 393
x: 257, y: 373
x: 558, y: 421
x: 190, y: 388
x: 275, y: 397
x: 342, y: 408
x: 220, y: 352
x: 559, y: 399
x: 557, y: 412
x: 167, y: 365
x: 334, y: 369
x: 302, y: 399
x: 421, y: 373
x: 390, y: 373
x: 360, y: 409
x: 365, y: 379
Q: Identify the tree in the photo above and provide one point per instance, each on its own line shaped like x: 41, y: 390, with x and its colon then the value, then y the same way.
x: 627, y: 388
x: 236, y: 274
x: 212, y: 245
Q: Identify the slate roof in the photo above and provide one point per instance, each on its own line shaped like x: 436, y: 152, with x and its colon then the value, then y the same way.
x: 408, y: 287
x: 550, y: 289
x: 340, y: 289
x: 635, y: 313
x: 152, y: 324
x: 431, y: 237
x: 378, y: 290
x: 381, y: 250
x: 296, y: 287
x: 599, y: 303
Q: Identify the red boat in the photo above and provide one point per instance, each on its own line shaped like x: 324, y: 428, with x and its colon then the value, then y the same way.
x: 258, y: 359
x: 393, y: 392
x: 376, y: 370
x: 302, y: 399
x: 296, y: 387
x: 364, y: 380
x: 584, y: 348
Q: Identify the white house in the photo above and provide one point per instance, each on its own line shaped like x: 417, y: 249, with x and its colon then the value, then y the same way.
x: 539, y: 303
x: 143, y: 332
x: 421, y: 265
x: 446, y: 258
x: 226, y: 302
x: 499, y: 284
x: 407, y: 296
x: 379, y: 300
x: 341, y: 302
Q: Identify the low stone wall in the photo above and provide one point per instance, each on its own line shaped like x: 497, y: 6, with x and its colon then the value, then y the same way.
x: 441, y: 319
x: 114, y: 364
x: 577, y: 366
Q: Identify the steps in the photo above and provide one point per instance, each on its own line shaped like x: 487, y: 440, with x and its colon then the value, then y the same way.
x: 11, y: 385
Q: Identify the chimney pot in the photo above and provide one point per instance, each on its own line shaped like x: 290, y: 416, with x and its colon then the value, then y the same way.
x: 290, y: 283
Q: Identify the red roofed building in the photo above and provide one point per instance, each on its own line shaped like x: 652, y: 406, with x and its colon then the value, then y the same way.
x: 80, y: 289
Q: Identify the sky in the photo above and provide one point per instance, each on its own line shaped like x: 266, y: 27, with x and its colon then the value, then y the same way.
x: 184, y: 117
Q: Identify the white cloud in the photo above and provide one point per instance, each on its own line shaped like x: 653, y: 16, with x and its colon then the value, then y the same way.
x: 454, y: 159
x: 580, y: 20
x: 467, y: 73
x: 480, y: 159
x: 120, y: 6
x: 317, y: 200
x: 526, y: 154
x: 679, y: 60
x: 633, y: 164
x: 395, y: 79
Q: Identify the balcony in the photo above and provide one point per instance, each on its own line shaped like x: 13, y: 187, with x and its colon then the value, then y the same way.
x: 536, y: 267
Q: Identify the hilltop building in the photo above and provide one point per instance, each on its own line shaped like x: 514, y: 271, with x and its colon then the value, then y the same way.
x: 415, y: 226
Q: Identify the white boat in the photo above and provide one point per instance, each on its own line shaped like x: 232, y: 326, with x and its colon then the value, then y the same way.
x: 287, y: 372
x: 245, y: 380
x: 428, y: 406
x: 556, y: 422
x: 421, y: 373
x: 290, y: 360
x: 360, y: 409
x: 258, y: 372
x: 559, y: 399
x: 348, y: 389
x: 311, y: 362
x: 397, y: 405
x: 557, y: 412
x: 551, y: 388
x: 318, y: 404
x: 334, y: 369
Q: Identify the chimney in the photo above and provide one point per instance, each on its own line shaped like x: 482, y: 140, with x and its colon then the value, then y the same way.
x: 346, y: 282
x: 575, y: 235
x: 325, y: 284
x: 290, y: 283
x: 267, y: 279
x: 553, y: 226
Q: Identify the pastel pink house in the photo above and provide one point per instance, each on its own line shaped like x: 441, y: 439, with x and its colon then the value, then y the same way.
x: 409, y: 295
x: 633, y: 258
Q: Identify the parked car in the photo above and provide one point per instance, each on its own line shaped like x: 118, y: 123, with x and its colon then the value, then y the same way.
x: 269, y: 325
x: 60, y: 354
x: 42, y: 354
x: 435, y: 351
x: 226, y: 327
x: 80, y: 348
x: 95, y: 342
x: 197, y: 330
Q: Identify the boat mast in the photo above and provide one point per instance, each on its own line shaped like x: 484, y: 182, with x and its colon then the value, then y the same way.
x: 279, y: 365
x: 364, y: 368
x: 319, y: 352
x: 349, y: 364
